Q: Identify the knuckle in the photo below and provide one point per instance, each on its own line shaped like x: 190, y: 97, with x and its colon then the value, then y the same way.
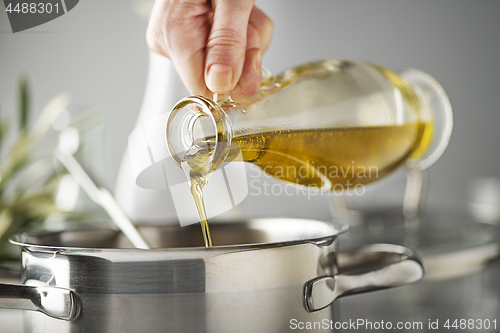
x: 226, y: 38
x: 154, y: 40
x: 152, y: 44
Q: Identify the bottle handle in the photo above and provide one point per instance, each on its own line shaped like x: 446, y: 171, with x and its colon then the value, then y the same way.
x: 435, y: 109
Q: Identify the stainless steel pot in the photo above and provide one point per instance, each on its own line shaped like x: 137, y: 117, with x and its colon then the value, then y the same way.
x: 266, y: 275
x: 461, y: 258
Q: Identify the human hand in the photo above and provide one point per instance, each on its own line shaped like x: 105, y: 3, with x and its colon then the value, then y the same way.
x: 215, y: 46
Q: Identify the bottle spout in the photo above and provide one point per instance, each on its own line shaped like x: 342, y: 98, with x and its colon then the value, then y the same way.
x: 198, y: 122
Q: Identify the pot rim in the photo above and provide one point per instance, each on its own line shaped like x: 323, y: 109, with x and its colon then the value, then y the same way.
x: 329, y: 229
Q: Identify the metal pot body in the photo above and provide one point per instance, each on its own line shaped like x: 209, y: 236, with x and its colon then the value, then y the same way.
x: 287, y: 275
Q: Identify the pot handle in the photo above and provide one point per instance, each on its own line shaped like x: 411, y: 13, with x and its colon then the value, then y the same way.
x: 55, y: 302
x: 370, y: 268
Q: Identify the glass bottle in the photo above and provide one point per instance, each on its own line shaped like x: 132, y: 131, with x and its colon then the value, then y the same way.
x: 329, y: 124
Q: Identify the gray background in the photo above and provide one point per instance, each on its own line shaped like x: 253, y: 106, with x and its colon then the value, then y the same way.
x: 97, y: 53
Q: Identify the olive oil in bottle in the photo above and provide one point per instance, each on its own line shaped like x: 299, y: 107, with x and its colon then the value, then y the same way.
x: 328, y: 157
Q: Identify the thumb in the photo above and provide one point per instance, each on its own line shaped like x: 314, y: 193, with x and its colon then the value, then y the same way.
x: 226, y: 45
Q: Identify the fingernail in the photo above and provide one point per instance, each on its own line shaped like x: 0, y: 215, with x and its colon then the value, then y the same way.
x: 219, y: 78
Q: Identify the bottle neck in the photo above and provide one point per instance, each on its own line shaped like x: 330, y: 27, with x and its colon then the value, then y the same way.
x: 198, y: 123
